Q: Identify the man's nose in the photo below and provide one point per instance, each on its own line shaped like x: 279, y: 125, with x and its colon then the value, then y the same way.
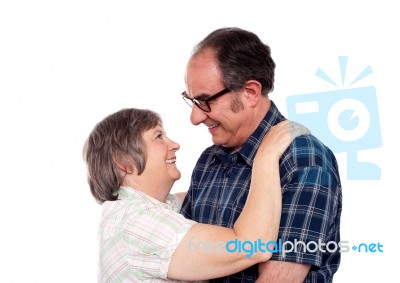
x: 197, y: 116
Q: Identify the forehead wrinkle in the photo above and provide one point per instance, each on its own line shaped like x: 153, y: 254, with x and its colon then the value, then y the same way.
x: 202, y: 75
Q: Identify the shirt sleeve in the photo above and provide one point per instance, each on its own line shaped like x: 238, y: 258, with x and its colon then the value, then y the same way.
x: 151, y: 237
x: 309, y: 206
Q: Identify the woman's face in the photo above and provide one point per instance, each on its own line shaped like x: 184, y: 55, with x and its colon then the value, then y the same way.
x: 161, y: 158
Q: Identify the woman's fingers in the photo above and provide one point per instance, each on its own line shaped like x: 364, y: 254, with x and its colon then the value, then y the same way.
x: 280, y: 136
x: 297, y: 130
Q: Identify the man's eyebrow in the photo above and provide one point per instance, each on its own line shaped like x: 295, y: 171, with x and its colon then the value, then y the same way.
x: 202, y: 96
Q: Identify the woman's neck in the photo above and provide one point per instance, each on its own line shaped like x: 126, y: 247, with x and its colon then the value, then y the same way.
x: 150, y: 188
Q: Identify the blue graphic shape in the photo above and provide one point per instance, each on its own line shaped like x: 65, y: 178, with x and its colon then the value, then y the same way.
x: 361, y: 170
x: 313, y: 109
x: 346, y: 120
x: 343, y: 67
x: 367, y: 71
x: 321, y: 74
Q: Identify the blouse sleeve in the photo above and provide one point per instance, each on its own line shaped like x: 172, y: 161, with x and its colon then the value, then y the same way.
x: 151, y: 237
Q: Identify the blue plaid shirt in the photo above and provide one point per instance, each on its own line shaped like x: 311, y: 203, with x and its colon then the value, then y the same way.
x: 311, y: 197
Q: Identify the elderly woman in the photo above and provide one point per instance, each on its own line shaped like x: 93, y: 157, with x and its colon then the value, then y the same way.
x: 142, y: 237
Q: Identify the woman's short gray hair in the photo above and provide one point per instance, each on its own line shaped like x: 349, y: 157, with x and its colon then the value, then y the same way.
x: 117, y: 138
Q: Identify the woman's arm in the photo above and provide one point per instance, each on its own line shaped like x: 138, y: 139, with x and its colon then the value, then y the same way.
x: 259, y: 219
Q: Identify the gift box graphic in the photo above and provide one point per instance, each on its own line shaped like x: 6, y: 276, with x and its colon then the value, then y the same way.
x: 346, y: 120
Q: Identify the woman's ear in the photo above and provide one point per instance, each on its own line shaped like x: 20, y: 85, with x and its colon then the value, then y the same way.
x: 124, y: 168
x: 252, y: 89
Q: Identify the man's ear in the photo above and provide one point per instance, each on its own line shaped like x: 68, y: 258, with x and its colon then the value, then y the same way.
x: 252, y: 91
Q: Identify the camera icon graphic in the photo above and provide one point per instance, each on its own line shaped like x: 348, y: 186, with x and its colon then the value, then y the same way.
x: 346, y: 120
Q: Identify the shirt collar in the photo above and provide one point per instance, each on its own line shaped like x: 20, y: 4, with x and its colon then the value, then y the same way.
x: 249, y: 148
x: 128, y: 193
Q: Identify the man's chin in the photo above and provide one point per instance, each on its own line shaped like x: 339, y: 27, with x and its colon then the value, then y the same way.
x: 218, y: 141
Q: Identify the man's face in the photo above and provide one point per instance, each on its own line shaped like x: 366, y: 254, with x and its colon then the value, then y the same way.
x: 203, y: 79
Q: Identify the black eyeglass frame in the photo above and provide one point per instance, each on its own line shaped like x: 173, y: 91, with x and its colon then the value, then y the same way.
x: 201, y: 103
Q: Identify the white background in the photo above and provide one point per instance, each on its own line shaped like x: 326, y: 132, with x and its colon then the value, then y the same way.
x: 65, y: 65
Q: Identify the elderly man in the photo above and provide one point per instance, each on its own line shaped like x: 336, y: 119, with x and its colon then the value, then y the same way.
x: 228, y: 79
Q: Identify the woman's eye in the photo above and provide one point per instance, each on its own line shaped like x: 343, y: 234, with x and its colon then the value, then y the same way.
x: 159, y: 136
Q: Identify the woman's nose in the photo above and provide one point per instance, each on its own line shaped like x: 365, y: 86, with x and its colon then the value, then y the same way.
x: 174, y: 145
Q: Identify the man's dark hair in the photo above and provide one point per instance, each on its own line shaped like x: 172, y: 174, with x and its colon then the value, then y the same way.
x: 241, y: 56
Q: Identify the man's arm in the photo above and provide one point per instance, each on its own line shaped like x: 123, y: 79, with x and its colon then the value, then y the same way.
x: 311, y: 206
x: 282, y: 272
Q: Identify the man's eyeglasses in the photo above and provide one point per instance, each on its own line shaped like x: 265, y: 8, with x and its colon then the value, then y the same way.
x: 203, y: 104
